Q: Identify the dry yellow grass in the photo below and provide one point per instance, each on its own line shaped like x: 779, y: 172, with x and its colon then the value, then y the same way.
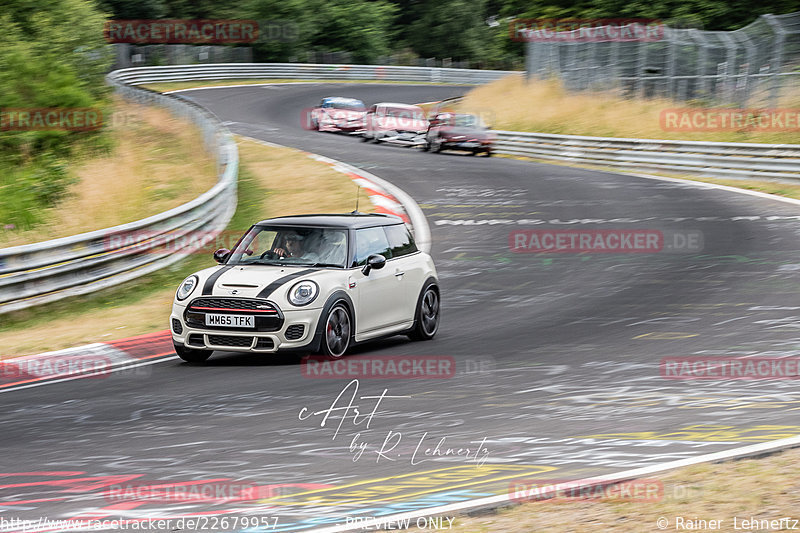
x: 298, y: 184
x: 288, y: 181
x: 766, y: 488
x: 156, y: 164
x: 546, y: 107
x: 99, y: 325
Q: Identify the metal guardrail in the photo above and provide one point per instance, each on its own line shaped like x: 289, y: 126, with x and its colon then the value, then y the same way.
x: 42, y: 272
x: 699, y: 158
x: 299, y: 71
x: 38, y: 273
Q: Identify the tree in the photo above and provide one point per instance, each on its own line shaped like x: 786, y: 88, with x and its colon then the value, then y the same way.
x: 361, y: 27
x: 453, y: 28
x: 52, y: 54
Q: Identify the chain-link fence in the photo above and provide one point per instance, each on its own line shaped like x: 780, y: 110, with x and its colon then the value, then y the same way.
x: 754, y: 66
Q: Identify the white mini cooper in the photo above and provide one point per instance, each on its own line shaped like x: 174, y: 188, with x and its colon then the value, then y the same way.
x: 310, y: 283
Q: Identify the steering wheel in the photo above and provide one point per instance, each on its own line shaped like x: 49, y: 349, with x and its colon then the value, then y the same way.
x: 269, y: 254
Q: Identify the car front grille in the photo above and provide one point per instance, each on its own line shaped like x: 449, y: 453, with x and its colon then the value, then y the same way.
x: 230, y: 340
x: 295, y: 331
x: 232, y: 304
x: 266, y: 315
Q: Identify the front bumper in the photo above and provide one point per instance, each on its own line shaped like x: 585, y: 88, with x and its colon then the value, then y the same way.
x: 288, y: 337
x: 411, y: 138
x: 350, y: 127
x: 467, y: 145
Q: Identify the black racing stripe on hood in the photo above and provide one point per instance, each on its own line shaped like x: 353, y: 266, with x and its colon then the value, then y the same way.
x: 272, y: 287
x: 208, y: 287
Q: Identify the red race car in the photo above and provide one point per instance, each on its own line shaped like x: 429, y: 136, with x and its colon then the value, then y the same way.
x: 336, y: 113
x: 451, y: 131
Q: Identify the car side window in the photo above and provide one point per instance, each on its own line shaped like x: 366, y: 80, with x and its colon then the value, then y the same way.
x: 400, y: 240
x: 371, y: 241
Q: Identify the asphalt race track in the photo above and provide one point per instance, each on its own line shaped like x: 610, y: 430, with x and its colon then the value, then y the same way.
x: 557, y: 355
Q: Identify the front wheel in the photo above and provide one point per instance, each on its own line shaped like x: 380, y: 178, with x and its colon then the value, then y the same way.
x: 336, y: 335
x: 191, y: 355
x: 426, y: 320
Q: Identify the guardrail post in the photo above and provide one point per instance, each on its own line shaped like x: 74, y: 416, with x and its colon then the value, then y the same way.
x: 776, y: 61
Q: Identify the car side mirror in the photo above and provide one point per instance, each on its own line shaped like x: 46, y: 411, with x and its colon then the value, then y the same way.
x: 221, y: 255
x: 376, y: 261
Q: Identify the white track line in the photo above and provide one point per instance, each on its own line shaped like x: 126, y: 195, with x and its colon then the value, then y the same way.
x: 507, y: 499
x: 117, y: 368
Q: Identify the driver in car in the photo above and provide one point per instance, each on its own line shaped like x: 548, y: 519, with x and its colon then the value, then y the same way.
x: 293, y: 248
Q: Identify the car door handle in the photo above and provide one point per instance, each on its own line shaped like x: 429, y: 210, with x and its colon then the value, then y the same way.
x: 398, y: 274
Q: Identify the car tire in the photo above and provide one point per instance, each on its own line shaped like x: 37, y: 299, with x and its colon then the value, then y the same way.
x: 436, y: 146
x: 488, y: 153
x: 426, y: 147
x: 337, y: 331
x: 473, y: 152
x: 190, y: 355
x: 364, y: 137
x: 426, y: 317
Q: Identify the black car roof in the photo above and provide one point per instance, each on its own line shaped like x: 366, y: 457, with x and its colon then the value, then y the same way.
x: 340, y: 220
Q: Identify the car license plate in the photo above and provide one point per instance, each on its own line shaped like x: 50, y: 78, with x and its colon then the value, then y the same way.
x: 234, y: 321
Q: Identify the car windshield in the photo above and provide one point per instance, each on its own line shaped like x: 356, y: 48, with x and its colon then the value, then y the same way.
x: 349, y: 105
x: 467, y: 121
x: 412, y: 114
x: 291, y: 245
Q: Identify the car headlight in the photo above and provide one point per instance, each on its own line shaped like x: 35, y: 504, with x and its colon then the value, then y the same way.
x: 186, y: 288
x: 303, y: 293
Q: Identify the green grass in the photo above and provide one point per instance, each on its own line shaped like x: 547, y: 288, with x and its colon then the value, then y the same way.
x: 135, y: 290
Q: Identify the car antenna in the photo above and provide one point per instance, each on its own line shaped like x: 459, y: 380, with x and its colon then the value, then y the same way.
x: 358, y: 193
